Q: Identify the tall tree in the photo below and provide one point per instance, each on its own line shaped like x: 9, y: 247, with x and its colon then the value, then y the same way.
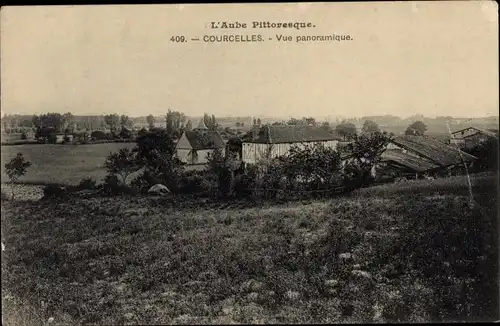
x: 125, y: 121
x: 369, y: 127
x: 417, y: 128
x: 346, y: 129
x: 112, y: 121
x: 66, y: 121
x: 151, y: 121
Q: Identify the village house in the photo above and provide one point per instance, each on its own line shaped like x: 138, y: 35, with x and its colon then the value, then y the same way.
x: 272, y: 141
x: 470, y: 137
x: 195, y: 146
x: 423, y: 155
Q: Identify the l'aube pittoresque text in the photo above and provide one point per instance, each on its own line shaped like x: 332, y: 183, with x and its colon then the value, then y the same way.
x: 281, y: 31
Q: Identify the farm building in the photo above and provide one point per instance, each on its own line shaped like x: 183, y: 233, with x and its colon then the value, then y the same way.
x: 272, y: 141
x: 194, y: 146
x: 423, y: 154
x: 470, y: 137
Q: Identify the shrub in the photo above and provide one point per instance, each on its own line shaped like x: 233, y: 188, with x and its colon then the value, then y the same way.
x: 144, y: 181
x: 87, y: 184
x: 52, y: 138
x: 53, y: 191
x: 113, y: 186
x: 24, y: 136
x: 16, y: 168
x: 122, y: 163
x: 98, y: 135
x: 66, y: 139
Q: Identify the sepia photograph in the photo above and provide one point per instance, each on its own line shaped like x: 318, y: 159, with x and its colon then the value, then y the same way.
x: 257, y: 163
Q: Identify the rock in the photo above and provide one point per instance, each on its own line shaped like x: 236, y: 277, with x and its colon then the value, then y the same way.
x: 253, y: 296
x: 128, y: 315
x: 360, y: 273
x: 292, y: 295
x: 251, y: 286
x: 346, y: 256
x: 158, y: 189
x: 331, y: 283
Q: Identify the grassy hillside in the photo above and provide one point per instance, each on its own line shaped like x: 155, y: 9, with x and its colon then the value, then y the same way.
x: 64, y: 164
x: 378, y: 256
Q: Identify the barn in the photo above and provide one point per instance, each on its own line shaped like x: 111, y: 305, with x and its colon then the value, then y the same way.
x: 195, y: 146
x: 424, y: 155
x: 470, y: 137
x: 272, y: 141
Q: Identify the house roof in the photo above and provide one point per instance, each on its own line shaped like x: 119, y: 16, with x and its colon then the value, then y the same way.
x: 276, y: 134
x: 490, y: 133
x: 433, y: 149
x: 205, y: 140
x: 414, y: 163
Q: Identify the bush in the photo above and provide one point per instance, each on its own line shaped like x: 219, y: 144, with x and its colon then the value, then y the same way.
x: 113, y: 186
x: 53, y: 191
x: 87, y: 184
x: 52, y: 138
x: 24, y: 136
x: 98, y: 135
x: 144, y: 181
x: 195, y: 182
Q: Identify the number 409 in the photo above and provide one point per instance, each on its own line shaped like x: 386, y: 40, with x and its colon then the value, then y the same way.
x: 178, y: 39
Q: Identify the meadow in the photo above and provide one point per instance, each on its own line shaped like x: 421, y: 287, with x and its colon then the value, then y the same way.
x: 383, y: 254
x: 63, y: 164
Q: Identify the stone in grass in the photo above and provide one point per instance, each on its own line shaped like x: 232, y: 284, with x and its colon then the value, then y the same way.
x: 346, y: 256
x: 292, y: 295
x: 331, y: 283
x: 361, y: 274
x: 158, y: 189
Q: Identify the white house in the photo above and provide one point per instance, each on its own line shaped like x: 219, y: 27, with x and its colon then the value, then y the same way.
x: 194, y: 146
x: 275, y: 140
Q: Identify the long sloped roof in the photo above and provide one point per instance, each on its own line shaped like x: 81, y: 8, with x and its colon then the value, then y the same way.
x: 407, y: 160
x: 276, y: 134
x: 205, y: 140
x: 489, y: 133
x: 433, y: 149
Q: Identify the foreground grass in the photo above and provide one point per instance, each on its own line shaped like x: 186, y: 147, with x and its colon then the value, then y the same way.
x: 63, y: 164
x: 365, y: 258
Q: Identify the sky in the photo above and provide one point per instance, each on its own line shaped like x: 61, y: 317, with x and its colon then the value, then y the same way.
x: 430, y: 58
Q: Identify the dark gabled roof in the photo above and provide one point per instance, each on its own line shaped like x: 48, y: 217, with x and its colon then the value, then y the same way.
x: 276, y: 134
x: 205, y: 140
x: 489, y: 133
x: 414, y: 163
x: 433, y: 149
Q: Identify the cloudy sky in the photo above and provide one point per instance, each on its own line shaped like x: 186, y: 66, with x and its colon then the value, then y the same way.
x: 406, y: 58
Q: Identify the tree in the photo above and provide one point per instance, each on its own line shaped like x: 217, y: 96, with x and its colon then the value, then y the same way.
x: 365, y: 151
x: 112, y: 121
x: 151, y: 121
x: 16, y: 168
x: 417, y: 128
x: 217, y: 164
x: 122, y: 163
x: 326, y: 126
x: 125, y: 121
x: 66, y: 120
x: 125, y: 133
x: 174, y: 122
x: 189, y: 125
x: 369, y: 127
x: 346, y: 129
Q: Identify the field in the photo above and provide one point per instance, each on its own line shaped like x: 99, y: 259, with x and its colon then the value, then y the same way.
x: 391, y: 253
x: 64, y: 164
